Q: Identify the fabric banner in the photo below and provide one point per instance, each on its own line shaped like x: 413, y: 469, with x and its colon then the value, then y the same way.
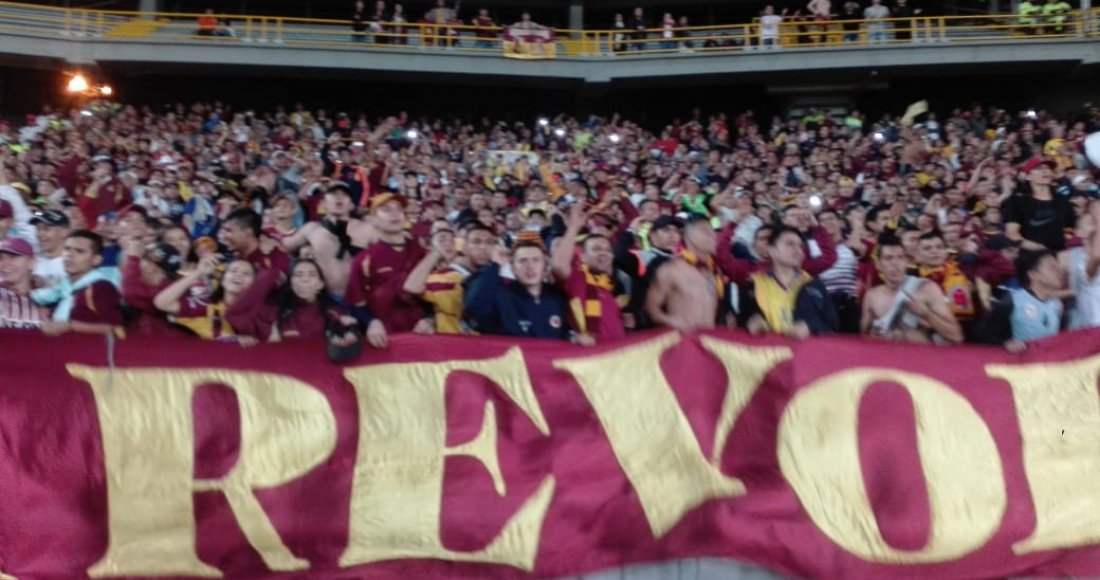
x: 529, y: 43
x: 486, y: 458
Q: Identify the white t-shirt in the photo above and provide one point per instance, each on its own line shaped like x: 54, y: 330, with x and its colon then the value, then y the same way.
x: 50, y: 270
x: 769, y: 26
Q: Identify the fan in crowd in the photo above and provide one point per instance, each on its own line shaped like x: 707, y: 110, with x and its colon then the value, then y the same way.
x: 974, y: 226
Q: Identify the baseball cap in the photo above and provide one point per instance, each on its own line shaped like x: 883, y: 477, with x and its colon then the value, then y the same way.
x: 166, y: 257
x: 339, y: 187
x: 6, y: 210
x: 384, y: 198
x: 665, y: 221
x: 17, y: 247
x: 1033, y: 163
x: 50, y: 217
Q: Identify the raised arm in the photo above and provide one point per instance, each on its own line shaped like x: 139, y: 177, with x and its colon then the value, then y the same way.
x: 169, y: 299
x: 1094, y: 245
x: 561, y: 257
x: 417, y: 281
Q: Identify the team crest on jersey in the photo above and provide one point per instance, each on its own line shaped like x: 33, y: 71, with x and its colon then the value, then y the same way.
x: 555, y: 321
x: 1031, y: 311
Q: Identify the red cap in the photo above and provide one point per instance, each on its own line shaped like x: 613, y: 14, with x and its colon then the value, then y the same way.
x: 17, y: 247
x: 1031, y: 164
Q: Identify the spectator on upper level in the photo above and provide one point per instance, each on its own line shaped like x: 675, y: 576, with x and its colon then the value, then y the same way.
x: 485, y: 29
x: 208, y: 23
x: 638, y: 28
x: 618, y: 38
x: 769, y: 27
x: 850, y: 14
x: 876, y: 15
x: 360, y: 21
x: 904, y: 26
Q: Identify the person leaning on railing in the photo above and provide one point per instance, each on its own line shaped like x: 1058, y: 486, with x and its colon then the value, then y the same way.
x: 1055, y: 14
x: 1028, y: 17
x: 208, y: 23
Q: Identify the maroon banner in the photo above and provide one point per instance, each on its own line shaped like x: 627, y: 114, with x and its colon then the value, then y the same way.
x: 486, y: 458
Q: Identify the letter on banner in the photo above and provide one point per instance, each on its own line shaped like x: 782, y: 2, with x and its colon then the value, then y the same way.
x: 287, y: 428
x: 650, y: 435
x: 819, y: 456
x: 1058, y: 407
x: 397, y: 492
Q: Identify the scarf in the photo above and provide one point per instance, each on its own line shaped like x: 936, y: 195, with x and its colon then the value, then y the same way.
x: 956, y: 286
x: 62, y: 294
x: 588, y: 315
x: 776, y: 302
x: 705, y: 264
x: 339, y: 229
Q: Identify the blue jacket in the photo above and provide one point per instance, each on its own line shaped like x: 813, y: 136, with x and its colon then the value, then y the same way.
x: 499, y: 306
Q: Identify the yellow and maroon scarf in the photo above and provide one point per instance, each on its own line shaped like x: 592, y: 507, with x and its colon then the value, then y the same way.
x: 705, y: 264
x: 956, y: 286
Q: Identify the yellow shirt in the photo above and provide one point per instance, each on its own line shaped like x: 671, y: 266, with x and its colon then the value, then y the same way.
x: 444, y: 292
x: 776, y: 302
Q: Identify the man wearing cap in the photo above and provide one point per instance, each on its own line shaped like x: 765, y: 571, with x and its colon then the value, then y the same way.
x: 241, y: 233
x: 17, y: 309
x: 336, y: 239
x: 87, y: 300
x: 1035, y: 215
x: 104, y: 193
x: 377, y: 275
x: 146, y: 271
x: 51, y: 228
x: 686, y: 291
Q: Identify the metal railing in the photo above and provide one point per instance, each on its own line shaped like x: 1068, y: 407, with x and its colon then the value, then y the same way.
x: 125, y: 26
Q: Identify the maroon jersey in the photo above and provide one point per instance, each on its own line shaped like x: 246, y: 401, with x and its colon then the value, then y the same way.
x: 99, y: 303
x: 277, y: 260
x: 108, y: 197
x: 377, y: 281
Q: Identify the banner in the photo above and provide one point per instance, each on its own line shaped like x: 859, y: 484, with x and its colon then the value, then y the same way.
x: 486, y: 458
x: 529, y: 43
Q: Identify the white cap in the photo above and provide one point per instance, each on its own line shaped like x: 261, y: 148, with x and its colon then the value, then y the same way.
x: 1092, y: 149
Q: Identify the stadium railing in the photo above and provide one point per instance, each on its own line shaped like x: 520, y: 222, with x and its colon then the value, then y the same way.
x: 123, y: 26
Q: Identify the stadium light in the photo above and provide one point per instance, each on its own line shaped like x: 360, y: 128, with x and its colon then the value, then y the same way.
x: 78, y: 84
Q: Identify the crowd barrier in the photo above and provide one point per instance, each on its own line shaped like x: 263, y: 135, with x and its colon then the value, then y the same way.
x: 447, y: 457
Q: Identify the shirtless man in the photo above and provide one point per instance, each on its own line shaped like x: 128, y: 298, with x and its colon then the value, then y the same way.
x: 336, y: 239
x: 906, y: 308
x: 686, y: 290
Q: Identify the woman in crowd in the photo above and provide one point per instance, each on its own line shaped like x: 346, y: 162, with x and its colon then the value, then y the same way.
x: 277, y: 308
x: 205, y: 317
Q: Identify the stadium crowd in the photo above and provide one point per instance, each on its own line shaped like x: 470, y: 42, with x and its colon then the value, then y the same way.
x: 978, y: 225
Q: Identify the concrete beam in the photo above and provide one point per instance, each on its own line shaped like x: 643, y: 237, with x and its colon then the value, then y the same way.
x: 593, y: 70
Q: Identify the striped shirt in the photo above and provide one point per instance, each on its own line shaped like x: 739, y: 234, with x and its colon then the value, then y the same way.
x: 843, y: 276
x: 18, y: 311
